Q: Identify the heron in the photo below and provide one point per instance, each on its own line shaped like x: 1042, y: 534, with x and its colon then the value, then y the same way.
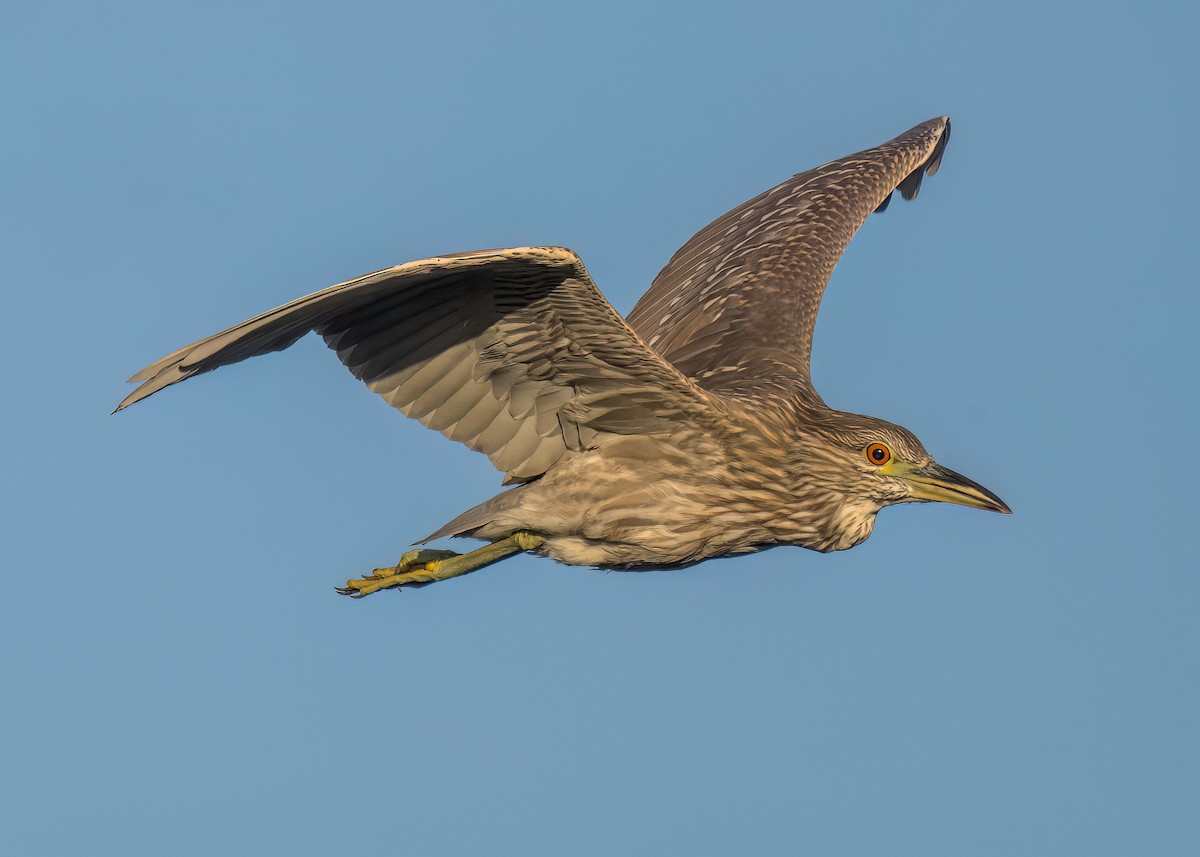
x: 687, y: 431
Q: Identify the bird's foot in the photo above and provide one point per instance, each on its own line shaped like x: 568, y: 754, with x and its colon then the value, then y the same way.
x: 415, y: 568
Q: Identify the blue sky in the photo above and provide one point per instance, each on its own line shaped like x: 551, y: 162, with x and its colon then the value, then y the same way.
x: 179, y: 676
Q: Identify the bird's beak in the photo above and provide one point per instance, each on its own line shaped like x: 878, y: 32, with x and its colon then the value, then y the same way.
x: 934, y: 482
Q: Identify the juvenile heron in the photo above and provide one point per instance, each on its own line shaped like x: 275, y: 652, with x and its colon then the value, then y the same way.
x: 687, y: 431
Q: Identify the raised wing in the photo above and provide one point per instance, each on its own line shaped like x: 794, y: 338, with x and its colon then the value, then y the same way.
x: 513, y: 352
x: 734, y: 309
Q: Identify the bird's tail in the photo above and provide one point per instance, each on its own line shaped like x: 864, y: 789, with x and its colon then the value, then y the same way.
x: 472, y: 521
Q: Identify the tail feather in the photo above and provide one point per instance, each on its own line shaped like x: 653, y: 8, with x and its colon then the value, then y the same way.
x: 471, y: 521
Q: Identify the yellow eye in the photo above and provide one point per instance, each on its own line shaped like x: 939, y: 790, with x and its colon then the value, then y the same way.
x: 878, y: 454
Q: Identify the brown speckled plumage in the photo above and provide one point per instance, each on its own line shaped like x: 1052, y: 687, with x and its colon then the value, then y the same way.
x: 689, y: 431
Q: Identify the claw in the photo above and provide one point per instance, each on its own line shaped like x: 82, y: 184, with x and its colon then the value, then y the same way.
x: 356, y: 588
x: 413, y: 566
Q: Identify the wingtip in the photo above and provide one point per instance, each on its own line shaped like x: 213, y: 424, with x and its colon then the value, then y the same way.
x: 126, y: 402
x: 147, y: 388
x: 935, y: 157
x: 911, y: 185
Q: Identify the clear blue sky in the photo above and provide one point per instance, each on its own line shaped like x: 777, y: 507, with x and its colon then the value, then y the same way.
x: 178, y: 675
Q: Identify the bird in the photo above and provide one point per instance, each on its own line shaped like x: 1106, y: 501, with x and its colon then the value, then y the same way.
x: 688, y: 430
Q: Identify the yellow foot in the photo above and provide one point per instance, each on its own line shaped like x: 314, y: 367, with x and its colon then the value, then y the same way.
x: 415, y: 568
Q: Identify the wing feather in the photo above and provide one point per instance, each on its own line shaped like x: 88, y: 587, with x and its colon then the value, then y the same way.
x: 754, y: 277
x: 502, y: 350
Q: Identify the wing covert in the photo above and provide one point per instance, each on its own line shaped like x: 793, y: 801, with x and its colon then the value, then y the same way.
x: 735, y: 307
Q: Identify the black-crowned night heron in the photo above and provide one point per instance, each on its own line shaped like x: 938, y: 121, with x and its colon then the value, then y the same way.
x: 688, y: 431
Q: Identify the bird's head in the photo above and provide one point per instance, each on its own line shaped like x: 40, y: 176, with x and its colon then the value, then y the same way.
x: 844, y: 468
x: 882, y: 462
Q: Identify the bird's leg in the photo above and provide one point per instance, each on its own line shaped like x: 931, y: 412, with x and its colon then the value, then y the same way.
x: 421, y: 567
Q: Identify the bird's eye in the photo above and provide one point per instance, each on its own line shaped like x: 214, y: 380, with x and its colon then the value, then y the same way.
x: 879, y: 454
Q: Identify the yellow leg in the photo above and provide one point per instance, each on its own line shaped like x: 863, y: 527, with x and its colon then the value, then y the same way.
x: 422, y: 567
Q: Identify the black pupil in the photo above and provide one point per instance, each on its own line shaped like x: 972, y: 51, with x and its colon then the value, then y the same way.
x: 878, y: 454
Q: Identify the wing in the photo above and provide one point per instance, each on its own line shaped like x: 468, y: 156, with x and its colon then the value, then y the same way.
x: 513, y: 352
x: 734, y: 309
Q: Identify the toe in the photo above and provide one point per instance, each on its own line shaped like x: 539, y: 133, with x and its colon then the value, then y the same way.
x: 358, y: 588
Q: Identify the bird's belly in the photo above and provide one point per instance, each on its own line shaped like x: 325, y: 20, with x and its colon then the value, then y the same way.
x: 631, y: 517
x: 661, y: 550
x: 633, y: 530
